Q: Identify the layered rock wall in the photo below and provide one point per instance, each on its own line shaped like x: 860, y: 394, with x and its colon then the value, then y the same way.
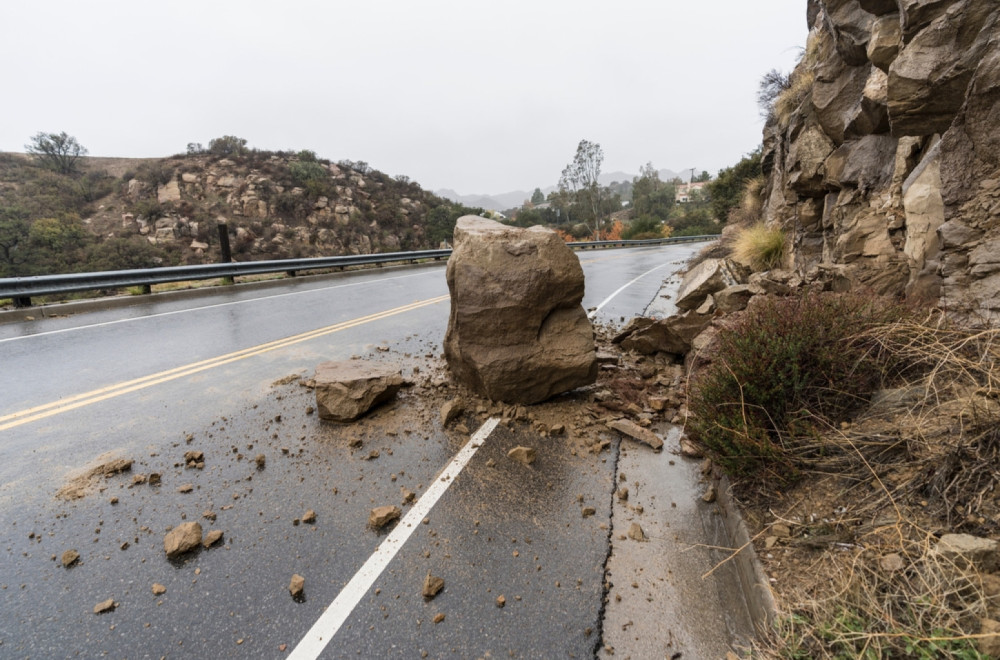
x: 883, y: 156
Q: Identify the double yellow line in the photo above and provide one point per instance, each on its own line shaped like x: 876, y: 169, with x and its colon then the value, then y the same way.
x: 21, y: 417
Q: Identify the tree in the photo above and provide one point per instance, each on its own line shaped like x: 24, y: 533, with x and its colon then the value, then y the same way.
x: 582, y: 176
x: 227, y: 145
x: 726, y: 190
x: 651, y: 197
x: 537, y: 197
x: 770, y: 88
x: 57, y: 151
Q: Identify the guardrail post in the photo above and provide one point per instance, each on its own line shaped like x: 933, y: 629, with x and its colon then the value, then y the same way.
x: 20, y: 302
x: 227, y: 255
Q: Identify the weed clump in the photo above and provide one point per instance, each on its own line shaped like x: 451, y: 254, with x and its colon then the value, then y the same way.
x: 783, y: 368
x: 760, y: 247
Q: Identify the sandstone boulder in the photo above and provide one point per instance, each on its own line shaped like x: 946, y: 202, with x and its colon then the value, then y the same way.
x: 672, y: 335
x: 851, y: 26
x: 886, y: 39
x: 929, y: 78
x: 348, y: 389
x: 705, y: 279
x: 517, y: 332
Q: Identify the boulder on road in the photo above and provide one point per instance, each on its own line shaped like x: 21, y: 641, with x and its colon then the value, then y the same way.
x: 348, y: 389
x: 705, y: 279
x: 517, y: 331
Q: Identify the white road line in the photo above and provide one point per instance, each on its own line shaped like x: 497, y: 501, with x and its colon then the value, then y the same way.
x: 225, y: 304
x: 622, y: 288
x: 336, y: 614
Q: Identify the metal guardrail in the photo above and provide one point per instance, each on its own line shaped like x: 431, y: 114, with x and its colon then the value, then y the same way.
x: 22, y: 289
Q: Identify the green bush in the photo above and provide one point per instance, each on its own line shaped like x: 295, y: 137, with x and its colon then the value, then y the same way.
x: 784, y: 366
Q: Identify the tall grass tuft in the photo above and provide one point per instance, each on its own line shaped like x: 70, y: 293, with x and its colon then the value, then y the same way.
x: 760, y: 247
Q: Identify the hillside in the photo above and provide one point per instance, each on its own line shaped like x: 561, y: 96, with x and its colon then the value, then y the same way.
x: 131, y: 213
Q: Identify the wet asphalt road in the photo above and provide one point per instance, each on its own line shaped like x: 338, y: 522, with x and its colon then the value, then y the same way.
x: 147, y: 378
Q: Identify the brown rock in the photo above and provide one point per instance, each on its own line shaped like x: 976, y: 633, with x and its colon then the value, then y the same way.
x: 383, y: 515
x: 261, y: 461
x: 635, y: 532
x: 689, y: 449
x: 432, y: 586
x: 451, y: 410
x: 704, y: 279
x: 588, y: 511
x: 501, y: 601
x: 348, y: 389
x: 181, y: 539
x: 632, y: 430
x: 192, y: 458
x: 710, y: 494
x: 297, y: 586
x: 989, y: 646
x: 70, y: 557
x: 105, y: 606
x: 212, y: 538
x: 517, y: 331
x: 309, y: 517
x: 186, y: 488
x: 158, y: 589
x: 525, y: 455
x: 892, y: 562
x: 438, y: 618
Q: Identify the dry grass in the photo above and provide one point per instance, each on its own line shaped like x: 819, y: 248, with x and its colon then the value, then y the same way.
x: 791, y: 98
x: 923, y: 459
x: 760, y: 247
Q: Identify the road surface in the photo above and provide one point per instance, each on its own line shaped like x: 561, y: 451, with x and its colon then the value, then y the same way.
x: 218, y: 374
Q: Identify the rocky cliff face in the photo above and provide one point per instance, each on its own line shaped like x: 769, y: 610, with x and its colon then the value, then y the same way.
x: 883, y: 156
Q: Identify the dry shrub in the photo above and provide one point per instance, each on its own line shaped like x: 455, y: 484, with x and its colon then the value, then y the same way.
x: 760, y: 247
x: 800, y: 84
x: 784, y: 370
x: 920, y: 608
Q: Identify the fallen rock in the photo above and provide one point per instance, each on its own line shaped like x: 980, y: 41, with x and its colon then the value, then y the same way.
x: 588, y: 511
x: 635, y: 532
x: 309, y: 517
x: 525, y: 455
x: 70, y: 557
x: 193, y: 458
x: 408, y: 495
x: 501, y: 601
x: 158, y: 589
x: 383, y: 515
x: 105, y: 606
x: 517, y: 331
x: 632, y: 430
x: 705, y: 279
x: 966, y: 550
x: 432, y: 586
x: 892, y: 562
x: 181, y: 539
x: 710, y: 494
x: 186, y: 488
x: 451, y: 410
x: 261, y: 461
x: 348, y: 389
x: 689, y: 449
x: 297, y: 585
x: 212, y: 538
x: 438, y: 618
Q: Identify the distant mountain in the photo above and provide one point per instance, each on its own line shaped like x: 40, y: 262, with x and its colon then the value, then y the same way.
x: 514, y: 198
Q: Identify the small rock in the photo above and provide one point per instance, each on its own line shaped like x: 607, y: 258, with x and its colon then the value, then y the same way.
x: 451, y: 410
x: 438, y: 618
x: 212, y: 538
x: 297, y: 585
x: 557, y: 429
x: 186, y: 488
x: 209, y: 515
x: 261, y: 461
x: 689, y: 449
x: 658, y: 403
x: 781, y: 530
x: 635, y: 532
x: 501, y: 601
x: 309, y: 517
x: 636, y: 432
x: 706, y: 467
x: 623, y: 493
x: 989, y: 645
x: 769, y: 542
x: 432, y: 586
x: 383, y: 515
x: 709, y: 495
x: 155, y: 478
x: 114, y: 500
x: 182, y: 538
x: 158, y: 589
x: 525, y: 455
x: 70, y: 557
x: 588, y: 511
x: 408, y: 495
x: 139, y: 479
x: 892, y: 562
x: 105, y: 606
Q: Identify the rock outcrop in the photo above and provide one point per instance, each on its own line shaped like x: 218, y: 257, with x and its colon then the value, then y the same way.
x: 888, y: 166
x: 517, y: 331
x: 348, y: 389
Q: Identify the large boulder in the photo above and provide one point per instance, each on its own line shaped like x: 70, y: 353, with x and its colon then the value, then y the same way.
x: 348, y: 389
x: 929, y: 78
x: 517, y: 331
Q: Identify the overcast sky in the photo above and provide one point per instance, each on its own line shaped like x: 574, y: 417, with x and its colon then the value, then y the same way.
x: 480, y: 97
